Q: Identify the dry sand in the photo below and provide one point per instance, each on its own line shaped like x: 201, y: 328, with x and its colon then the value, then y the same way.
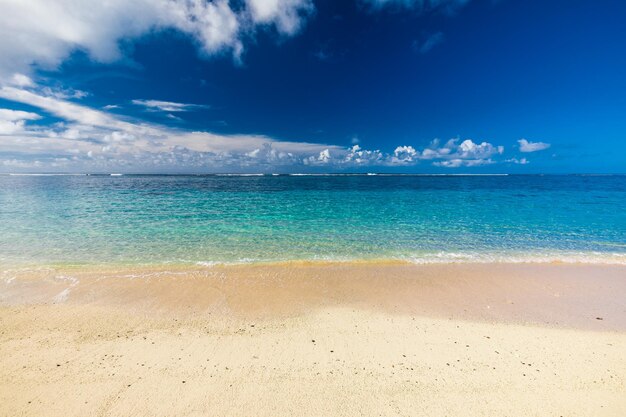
x: 314, y: 340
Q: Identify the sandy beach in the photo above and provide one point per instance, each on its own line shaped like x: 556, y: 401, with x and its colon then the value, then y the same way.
x: 314, y: 339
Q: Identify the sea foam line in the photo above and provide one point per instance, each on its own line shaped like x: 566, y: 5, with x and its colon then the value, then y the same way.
x: 592, y: 258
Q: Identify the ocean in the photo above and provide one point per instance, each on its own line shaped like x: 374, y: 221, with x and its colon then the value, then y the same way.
x: 205, y: 220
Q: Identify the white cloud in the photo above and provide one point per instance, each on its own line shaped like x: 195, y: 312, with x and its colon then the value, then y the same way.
x: 46, y: 32
x: 526, y: 146
x: 455, y: 154
x: 521, y: 161
x: 469, y: 149
x: 358, y: 156
x: 465, y: 154
x: 61, y: 93
x: 214, y: 24
x: 13, y: 121
x: 456, y: 163
x: 116, y: 143
x: 14, y: 115
x: 450, y: 155
x: 323, y: 158
x: 286, y: 15
x: 404, y: 155
x: 60, y: 107
x: 21, y: 80
x: 167, y: 106
x: 95, y: 140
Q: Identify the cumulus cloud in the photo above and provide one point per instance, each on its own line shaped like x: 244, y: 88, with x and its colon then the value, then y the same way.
x: 469, y: 149
x: 526, y: 146
x: 404, y: 155
x: 466, y: 150
x: 521, y: 161
x: 167, y: 106
x: 452, y: 154
x: 465, y: 154
x: 358, y: 156
x: 323, y: 158
x: 46, y: 32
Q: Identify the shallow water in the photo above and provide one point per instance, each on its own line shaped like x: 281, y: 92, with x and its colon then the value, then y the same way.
x: 222, y: 219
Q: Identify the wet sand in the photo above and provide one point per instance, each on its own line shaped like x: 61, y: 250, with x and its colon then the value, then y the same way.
x: 314, y: 339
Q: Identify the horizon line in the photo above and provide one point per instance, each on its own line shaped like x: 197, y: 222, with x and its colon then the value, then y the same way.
x: 298, y: 174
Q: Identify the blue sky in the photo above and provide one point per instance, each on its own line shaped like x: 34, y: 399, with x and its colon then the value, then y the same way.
x: 446, y: 86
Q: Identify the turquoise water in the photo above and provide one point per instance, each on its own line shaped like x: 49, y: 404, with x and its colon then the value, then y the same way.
x: 213, y: 219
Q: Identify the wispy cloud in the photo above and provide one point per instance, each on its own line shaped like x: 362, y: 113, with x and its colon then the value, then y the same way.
x: 527, y: 146
x: 446, y: 6
x: 457, y: 163
x: 520, y: 161
x: 90, y: 139
x: 428, y: 44
x: 322, y: 55
x: 15, y: 115
x: 167, y: 106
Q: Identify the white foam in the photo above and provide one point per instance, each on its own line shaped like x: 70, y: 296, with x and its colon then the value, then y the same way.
x: 596, y: 258
x: 220, y: 263
x: 73, y: 281
x: 443, y: 257
x: 61, y: 297
x: 209, y: 263
x: 239, y: 175
x: 370, y: 174
x: 44, y: 175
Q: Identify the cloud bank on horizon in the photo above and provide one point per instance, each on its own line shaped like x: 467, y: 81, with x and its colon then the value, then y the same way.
x: 41, y: 34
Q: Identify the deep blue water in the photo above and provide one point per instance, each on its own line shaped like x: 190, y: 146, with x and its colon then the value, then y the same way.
x: 190, y: 219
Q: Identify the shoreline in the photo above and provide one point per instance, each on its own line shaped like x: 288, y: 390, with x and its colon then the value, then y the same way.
x: 310, y: 340
x: 542, y: 293
x: 443, y: 258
